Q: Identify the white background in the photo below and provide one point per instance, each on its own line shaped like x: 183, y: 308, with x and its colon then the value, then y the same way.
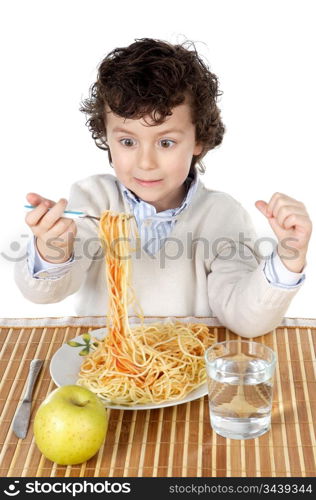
x: 263, y: 53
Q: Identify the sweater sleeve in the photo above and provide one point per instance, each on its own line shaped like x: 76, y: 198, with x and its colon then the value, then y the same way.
x: 86, y: 247
x: 239, y: 293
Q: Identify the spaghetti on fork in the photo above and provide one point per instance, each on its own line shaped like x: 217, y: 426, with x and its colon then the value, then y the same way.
x: 147, y: 363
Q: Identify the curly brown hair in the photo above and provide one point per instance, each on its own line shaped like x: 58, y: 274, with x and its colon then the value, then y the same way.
x: 149, y: 78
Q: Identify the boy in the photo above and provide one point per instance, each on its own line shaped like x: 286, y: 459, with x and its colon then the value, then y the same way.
x: 153, y: 108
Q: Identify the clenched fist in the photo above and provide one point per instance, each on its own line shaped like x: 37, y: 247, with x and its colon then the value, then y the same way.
x: 292, y: 226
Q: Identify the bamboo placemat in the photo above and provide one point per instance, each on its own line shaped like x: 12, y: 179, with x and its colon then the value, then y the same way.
x: 174, y: 441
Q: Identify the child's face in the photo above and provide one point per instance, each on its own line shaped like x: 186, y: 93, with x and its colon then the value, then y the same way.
x: 161, y: 153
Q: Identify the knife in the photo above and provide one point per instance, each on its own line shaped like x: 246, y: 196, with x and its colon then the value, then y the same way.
x: 22, y: 416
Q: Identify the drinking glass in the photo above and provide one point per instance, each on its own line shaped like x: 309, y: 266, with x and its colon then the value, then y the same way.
x: 240, y: 383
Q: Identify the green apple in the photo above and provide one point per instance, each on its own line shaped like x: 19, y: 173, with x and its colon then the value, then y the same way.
x: 70, y: 425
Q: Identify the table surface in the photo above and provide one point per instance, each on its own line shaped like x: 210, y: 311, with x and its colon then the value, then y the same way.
x: 175, y: 441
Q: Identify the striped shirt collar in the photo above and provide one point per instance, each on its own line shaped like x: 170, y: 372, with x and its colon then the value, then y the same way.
x: 191, y: 183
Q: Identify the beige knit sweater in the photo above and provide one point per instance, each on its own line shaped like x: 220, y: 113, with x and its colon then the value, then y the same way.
x: 206, y: 267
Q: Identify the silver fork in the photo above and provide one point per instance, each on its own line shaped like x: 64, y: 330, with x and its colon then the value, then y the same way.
x: 74, y: 214
x: 70, y: 214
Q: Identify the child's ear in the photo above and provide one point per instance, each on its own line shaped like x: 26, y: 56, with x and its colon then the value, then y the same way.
x: 197, y: 149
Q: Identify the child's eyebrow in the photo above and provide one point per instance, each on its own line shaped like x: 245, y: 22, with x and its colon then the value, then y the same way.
x: 162, y: 132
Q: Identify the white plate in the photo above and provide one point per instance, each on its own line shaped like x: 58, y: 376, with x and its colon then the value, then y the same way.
x: 65, y: 367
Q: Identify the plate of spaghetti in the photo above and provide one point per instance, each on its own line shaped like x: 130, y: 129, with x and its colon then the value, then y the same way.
x: 139, y: 366
x: 75, y: 363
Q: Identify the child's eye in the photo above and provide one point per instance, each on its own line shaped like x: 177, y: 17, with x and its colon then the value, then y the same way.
x: 127, y: 142
x: 167, y: 143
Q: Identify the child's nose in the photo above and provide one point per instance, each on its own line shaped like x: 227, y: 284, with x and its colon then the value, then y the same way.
x: 147, y: 159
